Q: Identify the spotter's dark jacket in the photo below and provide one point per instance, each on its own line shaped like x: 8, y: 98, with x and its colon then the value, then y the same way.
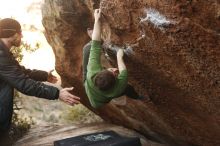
x: 13, y: 76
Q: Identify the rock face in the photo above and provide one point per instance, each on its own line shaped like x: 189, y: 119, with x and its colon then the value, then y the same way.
x: 46, y: 135
x: 172, y: 53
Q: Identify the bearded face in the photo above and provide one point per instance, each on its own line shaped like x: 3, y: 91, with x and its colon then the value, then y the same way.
x: 16, y: 40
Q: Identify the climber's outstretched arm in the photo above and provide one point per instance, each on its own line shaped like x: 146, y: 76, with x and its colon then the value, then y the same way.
x: 121, y: 64
x: 96, y: 35
x: 94, y: 63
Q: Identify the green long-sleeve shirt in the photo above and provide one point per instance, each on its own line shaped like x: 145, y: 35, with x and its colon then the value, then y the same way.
x: 97, y: 97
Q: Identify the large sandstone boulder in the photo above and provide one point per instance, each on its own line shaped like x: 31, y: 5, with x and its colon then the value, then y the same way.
x: 172, y: 53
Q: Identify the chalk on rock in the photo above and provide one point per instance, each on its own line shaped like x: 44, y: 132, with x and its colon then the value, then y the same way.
x: 156, y: 18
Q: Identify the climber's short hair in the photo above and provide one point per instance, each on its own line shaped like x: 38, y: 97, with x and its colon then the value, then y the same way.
x: 104, y: 80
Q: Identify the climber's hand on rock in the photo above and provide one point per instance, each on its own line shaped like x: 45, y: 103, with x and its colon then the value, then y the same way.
x: 97, y: 14
x: 67, y: 97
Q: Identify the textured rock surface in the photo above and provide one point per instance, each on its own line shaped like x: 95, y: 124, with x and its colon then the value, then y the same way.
x: 175, y: 58
x: 46, y: 135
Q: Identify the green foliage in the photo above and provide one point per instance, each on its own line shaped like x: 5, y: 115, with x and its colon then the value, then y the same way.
x: 17, y: 51
x: 80, y: 114
x: 19, y: 125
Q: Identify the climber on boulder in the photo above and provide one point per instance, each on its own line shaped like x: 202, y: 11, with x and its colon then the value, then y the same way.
x: 102, y: 85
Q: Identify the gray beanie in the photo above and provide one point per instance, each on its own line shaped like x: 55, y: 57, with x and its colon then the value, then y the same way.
x: 8, y: 27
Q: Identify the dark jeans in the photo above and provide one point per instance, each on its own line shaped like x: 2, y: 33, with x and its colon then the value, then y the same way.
x: 129, y: 90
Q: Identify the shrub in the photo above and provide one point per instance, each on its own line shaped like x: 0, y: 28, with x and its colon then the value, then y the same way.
x: 80, y: 114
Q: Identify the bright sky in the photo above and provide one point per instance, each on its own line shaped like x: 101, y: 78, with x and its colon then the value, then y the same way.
x: 28, y: 12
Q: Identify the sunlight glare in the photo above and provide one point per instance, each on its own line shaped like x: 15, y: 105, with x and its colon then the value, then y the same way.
x: 28, y: 13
